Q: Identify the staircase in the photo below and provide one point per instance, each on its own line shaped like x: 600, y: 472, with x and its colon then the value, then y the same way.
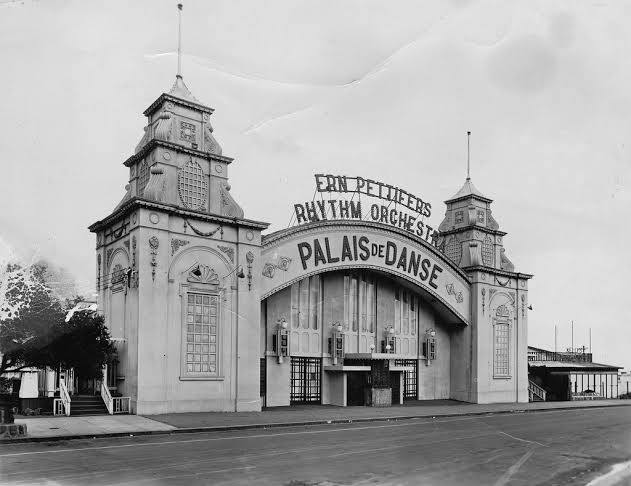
x: 87, y: 405
x: 535, y: 392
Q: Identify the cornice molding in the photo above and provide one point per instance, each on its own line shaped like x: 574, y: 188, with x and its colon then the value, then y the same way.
x: 173, y: 146
x: 136, y: 202
x: 167, y: 97
x: 496, y: 271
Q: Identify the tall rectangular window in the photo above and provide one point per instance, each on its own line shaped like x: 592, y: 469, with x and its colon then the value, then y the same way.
x: 354, y: 304
x: 201, y: 333
x: 370, y: 303
x: 314, y: 301
x: 501, y: 350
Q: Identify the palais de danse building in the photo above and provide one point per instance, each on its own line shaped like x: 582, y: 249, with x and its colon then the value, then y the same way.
x: 209, y: 313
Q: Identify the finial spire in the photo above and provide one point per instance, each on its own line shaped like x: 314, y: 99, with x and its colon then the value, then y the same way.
x: 468, y: 156
x: 179, y: 41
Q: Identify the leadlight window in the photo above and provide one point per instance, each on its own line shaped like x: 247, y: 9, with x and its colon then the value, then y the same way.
x: 487, y: 252
x: 454, y: 250
x: 143, y: 177
x: 501, y: 350
x: 201, y: 333
x: 192, y: 185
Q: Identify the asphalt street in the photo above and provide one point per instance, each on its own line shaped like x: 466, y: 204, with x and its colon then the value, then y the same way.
x: 548, y: 448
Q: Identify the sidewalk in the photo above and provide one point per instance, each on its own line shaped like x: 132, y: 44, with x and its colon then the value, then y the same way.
x: 57, y: 428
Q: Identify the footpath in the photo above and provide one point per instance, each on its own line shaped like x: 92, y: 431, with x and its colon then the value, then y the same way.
x: 49, y: 428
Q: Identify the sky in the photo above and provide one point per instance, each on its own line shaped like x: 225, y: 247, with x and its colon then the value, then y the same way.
x: 386, y: 90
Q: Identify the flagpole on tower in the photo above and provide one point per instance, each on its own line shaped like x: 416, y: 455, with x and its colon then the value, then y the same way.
x: 179, y: 41
x: 468, y: 156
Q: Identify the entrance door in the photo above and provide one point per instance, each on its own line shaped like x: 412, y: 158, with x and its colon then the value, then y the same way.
x: 306, y: 380
x: 356, y: 386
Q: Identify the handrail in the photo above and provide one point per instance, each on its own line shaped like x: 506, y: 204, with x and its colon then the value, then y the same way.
x: 105, y: 392
x: 107, y: 397
x: 536, y: 390
x: 65, y: 396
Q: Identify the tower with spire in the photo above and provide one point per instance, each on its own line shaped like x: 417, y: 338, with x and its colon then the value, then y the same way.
x: 496, y: 342
x: 174, y: 270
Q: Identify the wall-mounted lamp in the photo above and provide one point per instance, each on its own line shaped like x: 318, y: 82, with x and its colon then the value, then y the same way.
x: 388, y: 345
x: 280, y: 342
x: 429, y: 345
x: 239, y: 270
x: 336, y: 342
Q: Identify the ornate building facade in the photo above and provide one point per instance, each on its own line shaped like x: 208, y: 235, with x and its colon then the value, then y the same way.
x: 211, y: 315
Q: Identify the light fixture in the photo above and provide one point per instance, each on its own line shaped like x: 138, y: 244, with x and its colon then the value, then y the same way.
x: 388, y: 348
x: 431, y: 332
x: 530, y: 307
x: 338, y: 327
x: 282, y: 323
x: 238, y: 269
x: 372, y: 347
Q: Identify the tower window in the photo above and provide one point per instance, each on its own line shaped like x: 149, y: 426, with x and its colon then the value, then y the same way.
x: 192, y: 185
x: 143, y: 177
x: 201, y: 334
x: 501, y: 350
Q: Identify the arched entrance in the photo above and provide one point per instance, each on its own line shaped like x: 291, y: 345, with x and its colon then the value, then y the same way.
x: 356, y: 303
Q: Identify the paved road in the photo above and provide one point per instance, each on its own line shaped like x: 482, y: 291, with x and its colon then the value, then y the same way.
x: 547, y: 448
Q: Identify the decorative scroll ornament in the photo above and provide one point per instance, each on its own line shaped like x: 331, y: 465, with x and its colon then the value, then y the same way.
x: 202, y: 274
x: 134, y: 273
x: 483, y: 297
x: 143, y: 142
x: 249, y: 257
x: 210, y: 144
x: 203, y: 233
x: 154, y: 243
x: 156, y: 189
x: 283, y: 263
x: 505, y: 263
x: 269, y: 270
x: 126, y: 243
x: 98, y: 272
x: 108, y: 256
x: 229, y: 206
x: 523, y: 305
x: 164, y: 126
x: 228, y: 251
x: 451, y: 291
x: 176, y: 244
x: 502, y: 311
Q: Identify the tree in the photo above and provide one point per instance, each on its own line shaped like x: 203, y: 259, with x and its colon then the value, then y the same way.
x: 82, y: 343
x: 29, y: 317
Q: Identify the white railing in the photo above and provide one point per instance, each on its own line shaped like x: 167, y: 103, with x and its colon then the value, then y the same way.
x: 535, y: 392
x: 106, y: 396
x: 61, y: 405
x: 121, y: 405
x: 113, y: 404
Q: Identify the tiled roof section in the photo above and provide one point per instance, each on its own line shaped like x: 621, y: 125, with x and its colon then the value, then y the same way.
x: 467, y: 190
x: 570, y: 365
x: 180, y: 90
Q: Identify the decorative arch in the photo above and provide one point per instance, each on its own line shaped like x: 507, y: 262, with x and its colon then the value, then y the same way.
x: 226, y: 265
x: 288, y: 257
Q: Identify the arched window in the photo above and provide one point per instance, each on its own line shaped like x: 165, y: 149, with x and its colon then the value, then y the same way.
x: 192, y: 185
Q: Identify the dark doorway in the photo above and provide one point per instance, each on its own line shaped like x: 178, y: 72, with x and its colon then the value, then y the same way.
x: 356, y: 386
x: 395, y: 382
x: 306, y: 380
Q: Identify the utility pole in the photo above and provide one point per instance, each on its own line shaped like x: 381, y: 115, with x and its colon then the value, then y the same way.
x: 555, y: 339
x: 572, y: 336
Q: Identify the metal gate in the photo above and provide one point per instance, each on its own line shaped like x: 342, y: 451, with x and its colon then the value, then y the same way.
x: 410, y: 380
x: 263, y: 380
x: 306, y: 380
